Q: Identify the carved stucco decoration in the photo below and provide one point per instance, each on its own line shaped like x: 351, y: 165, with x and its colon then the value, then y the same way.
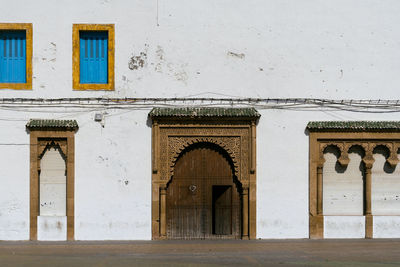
x: 173, y: 141
x: 393, y: 148
x: 231, y: 145
x: 45, y: 145
x: 368, y: 148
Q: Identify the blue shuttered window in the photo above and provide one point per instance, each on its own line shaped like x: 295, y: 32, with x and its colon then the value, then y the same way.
x: 93, y: 57
x: 12, y: 56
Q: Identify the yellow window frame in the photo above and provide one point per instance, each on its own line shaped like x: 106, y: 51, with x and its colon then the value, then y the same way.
x: 28, y: 29
x: 76, y: 28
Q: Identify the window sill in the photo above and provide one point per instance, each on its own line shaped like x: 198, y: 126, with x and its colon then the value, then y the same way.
x: 16, y: 86
x: 94, y: 86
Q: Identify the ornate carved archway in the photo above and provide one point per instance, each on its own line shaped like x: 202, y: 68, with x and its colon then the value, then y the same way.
x: 232, y: 129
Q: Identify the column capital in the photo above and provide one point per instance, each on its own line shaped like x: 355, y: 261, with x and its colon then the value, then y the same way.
x: 163, y: 189
x: 245, y: 191
x: 320, y: 169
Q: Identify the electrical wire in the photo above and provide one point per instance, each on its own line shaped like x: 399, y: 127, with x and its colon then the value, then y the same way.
x: 78, y: 105
x: 74, y: 107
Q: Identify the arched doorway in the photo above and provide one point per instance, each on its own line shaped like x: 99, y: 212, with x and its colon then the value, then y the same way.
x: 232, y: 131
x: 203, y: 196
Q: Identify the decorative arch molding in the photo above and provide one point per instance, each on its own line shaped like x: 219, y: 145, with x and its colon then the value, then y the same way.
x: 367, y: 147
x: 230, y: 144
x: 174, y: 130
x: 232, y: 138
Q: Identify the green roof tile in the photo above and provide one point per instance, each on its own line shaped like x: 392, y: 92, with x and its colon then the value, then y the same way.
x: 358, y: 126
x: 57, y: 124
x: 204, y: 112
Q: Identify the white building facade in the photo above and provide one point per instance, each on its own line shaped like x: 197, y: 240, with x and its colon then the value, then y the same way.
x: 291, y: 62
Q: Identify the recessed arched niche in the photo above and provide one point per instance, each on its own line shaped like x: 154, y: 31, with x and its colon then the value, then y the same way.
x: 52, y: 163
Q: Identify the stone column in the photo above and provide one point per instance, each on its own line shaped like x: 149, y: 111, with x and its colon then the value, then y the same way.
x: 156, y: 145
x: 368, y: 191
x: 253, y: 148
x: 245, y: 213
x: 369, y: 161
x: 163, y: 214
x: 368, y: 213
x: 319, y: 190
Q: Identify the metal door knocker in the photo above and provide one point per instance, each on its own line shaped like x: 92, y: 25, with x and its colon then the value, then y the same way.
x: 192, y: 188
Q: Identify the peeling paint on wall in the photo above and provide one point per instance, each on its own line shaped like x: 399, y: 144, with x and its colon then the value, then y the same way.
x: 160, y: 59
x: 175, y: 70
x: 236, y: 55
x: 10, y: 207
x: 181, y: 75
x: 139, y: 61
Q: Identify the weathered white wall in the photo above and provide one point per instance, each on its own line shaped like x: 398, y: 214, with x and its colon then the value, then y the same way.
x: 113, y: 177
x: 257, y: 48
x: 282, y: 175
x: 332, y: 49
x: 385, y: 186
x: 14, y: 177
x: 386, y: 227
x: 344, y: 226
x: 52, y: 228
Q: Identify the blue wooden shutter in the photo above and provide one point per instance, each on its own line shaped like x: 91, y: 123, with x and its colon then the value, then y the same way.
x: 12, y: 56
x: 93, y: 56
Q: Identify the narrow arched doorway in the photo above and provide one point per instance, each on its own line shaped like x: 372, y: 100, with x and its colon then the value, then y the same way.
x: 203, y: 196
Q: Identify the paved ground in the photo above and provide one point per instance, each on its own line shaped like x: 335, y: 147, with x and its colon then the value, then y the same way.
x: 203, y: 253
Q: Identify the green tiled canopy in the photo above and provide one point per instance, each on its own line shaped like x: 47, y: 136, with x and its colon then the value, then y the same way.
x: 358, y: 126
x: 57, y: 124
x: 204, y: 112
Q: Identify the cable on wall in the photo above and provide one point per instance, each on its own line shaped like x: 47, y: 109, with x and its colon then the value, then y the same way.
x: 298, y: 104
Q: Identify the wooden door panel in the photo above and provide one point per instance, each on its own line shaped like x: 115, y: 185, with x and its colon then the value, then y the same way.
x: 202, y: 199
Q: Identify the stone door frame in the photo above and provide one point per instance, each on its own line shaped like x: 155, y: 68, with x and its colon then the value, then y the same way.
x: 43, y: 134
x: 171, y: 135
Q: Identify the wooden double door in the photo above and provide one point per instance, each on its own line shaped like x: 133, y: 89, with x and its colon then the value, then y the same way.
x: 203, y: 200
